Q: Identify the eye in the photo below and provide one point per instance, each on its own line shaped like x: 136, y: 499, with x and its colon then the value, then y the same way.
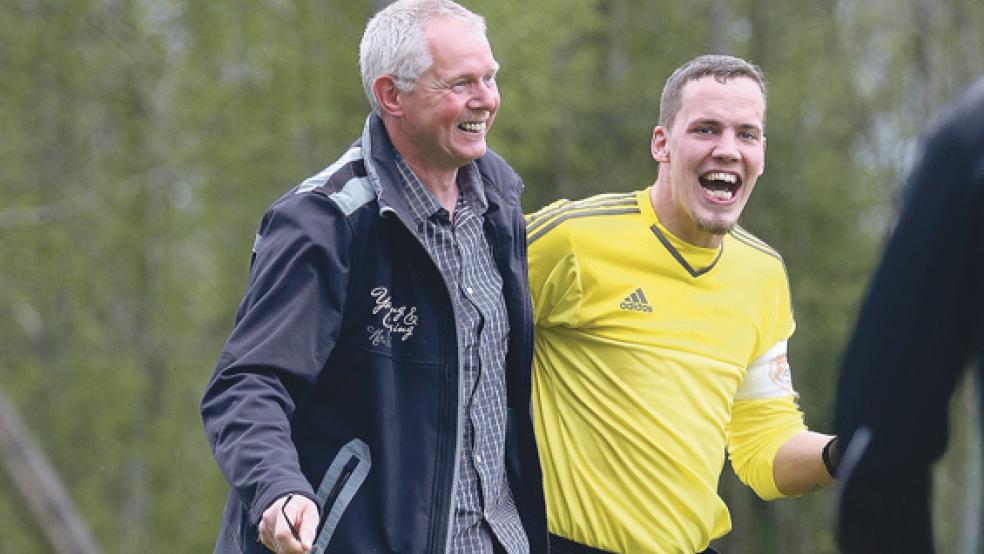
x: 749, y: 135
x: 703, y: 130
x: 489, y: 80
x: 460, y: 86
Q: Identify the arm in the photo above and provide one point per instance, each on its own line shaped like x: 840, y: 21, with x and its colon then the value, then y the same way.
x: 283, y: 335
x: 771, y: 449
x: 758, y: 429
x: 798, y: 467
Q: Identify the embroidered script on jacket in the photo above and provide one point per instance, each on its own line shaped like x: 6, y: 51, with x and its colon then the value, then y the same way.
x: 399, y: 320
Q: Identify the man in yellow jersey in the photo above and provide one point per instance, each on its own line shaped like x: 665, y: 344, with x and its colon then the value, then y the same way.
x: 661, y: 332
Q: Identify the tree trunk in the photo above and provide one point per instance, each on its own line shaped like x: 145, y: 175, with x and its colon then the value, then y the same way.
x: 38, y: 483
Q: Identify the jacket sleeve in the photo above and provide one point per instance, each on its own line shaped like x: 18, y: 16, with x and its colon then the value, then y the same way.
x: 913, y: 338
x: 285, y: 329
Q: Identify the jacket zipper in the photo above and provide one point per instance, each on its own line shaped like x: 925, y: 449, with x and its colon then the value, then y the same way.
x: 458, y: 419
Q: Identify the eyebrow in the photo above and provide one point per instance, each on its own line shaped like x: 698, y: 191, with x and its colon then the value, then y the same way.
x: 719, y: 123
x: 495, y: 70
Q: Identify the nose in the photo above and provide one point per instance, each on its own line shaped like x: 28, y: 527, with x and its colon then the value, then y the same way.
x: 485, y: 95
x: 727, y: 147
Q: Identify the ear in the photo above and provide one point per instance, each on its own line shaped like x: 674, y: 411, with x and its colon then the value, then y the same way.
x: 388, y: 95
x: 659, y: 150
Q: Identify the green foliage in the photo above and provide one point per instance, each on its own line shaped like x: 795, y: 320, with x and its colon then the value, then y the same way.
x: 142, y: 140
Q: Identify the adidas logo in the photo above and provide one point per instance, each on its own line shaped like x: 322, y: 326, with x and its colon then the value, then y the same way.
x: 636, y: 302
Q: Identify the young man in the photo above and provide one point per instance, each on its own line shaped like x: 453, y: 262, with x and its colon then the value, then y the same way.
x: 661, y: 332
x: 382, y: 349
x: 919, y: 329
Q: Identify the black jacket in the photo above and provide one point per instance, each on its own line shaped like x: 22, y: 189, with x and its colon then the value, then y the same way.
x: 921, y: 325
x: 340, y: 378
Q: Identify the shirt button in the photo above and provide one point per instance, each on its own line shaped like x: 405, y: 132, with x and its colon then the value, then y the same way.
x: 478, y: 458
x: 470, y: 290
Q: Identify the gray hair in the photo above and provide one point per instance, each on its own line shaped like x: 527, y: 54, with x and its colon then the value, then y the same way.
x: 394, y: 42
x: 719, y: 66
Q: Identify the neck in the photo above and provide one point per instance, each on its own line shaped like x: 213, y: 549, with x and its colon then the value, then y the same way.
x: 670, y: 215
x: 439, y: 181
x: 442, y: 184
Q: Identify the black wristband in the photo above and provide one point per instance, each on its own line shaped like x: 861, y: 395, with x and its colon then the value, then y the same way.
x: 830, y: 456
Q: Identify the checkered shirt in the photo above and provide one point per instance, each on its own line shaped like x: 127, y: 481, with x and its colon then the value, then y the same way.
x: 484, y: 504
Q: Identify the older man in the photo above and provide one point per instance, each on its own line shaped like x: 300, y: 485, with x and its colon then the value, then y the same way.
x: 382, y: 349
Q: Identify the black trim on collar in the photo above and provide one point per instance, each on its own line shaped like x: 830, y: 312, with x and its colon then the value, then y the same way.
x: 679, y: 257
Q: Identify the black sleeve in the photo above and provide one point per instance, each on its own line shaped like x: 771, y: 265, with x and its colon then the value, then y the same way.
x: 915, y: 334
x: 285, y: 330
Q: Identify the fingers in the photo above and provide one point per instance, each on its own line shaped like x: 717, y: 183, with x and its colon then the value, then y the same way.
x: 306, y: 520
x: 268, y: 525
x: 289, y: 525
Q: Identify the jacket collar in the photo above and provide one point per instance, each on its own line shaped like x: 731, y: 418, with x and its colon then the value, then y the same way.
x: 378, y: 152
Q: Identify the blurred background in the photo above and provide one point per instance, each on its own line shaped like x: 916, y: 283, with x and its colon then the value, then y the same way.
x: 142, y: 140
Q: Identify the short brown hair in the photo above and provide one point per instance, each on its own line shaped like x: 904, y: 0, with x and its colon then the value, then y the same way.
x: 719, y: 66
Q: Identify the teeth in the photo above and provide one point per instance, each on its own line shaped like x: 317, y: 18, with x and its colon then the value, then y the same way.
x: 719, y: 194
x: 718, y: 176
x: 472, y: 126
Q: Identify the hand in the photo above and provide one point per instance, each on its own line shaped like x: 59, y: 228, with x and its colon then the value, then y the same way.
x: 293, y: 534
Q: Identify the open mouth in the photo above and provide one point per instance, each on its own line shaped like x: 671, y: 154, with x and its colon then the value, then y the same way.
x: 720, y: 186
x: 473, y: 126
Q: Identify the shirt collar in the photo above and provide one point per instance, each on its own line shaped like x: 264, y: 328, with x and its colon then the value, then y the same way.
x: 422, y: 203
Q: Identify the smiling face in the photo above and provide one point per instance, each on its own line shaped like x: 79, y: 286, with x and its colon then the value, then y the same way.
x: 709, y: 158
x: 441, y: 124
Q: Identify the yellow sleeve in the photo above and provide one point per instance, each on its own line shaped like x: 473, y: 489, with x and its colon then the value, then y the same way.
x: 765, y: 413
x: 756, y: 431
x: 779, y: 315
x: 554, y: 271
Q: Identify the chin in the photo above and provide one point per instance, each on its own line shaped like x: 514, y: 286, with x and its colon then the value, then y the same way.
x: 473, y: 153
x: 717, y: 227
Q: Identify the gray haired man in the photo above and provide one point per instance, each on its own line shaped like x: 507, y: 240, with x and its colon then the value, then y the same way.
x: 374, y: 393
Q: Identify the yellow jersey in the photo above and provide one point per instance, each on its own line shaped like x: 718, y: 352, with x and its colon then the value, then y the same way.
x: 652, y: 357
